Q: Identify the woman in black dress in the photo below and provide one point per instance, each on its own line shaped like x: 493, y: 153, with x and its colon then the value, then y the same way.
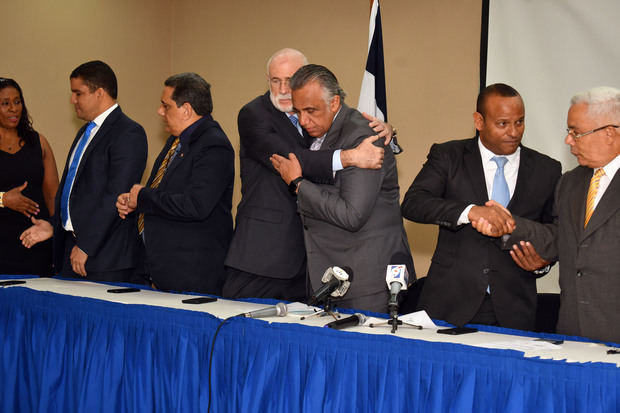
x: 28, y: 184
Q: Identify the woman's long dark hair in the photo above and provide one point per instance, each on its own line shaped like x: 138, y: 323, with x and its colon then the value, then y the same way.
x: 24, y: 127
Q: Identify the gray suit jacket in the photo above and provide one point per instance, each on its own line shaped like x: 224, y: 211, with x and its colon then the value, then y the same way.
x: 356, y: 222
x: 589, y: 258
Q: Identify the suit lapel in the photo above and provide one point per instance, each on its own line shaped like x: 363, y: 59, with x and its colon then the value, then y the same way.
x: 99, y: 137
x: 333, y: 134
x: 282, y: 122
x: 607, y: 206
x: 475, y: 172
x: 576, y: 201
x: 159, y: 160
x: 73, y: 145
x: 64, y: 172
x: 524, y: 177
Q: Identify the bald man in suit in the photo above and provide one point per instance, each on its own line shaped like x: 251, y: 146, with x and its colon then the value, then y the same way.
x: 471, y: 279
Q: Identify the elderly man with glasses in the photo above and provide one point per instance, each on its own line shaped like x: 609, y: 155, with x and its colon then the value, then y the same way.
x: 584, y: 233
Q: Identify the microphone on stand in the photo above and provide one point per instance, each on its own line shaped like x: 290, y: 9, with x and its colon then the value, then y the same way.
x: 396, y: 278
x: 336, y: 282
x: 279, y: 310
x: 356, y: 319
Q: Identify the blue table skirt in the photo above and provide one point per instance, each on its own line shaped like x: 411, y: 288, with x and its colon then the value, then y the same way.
x: 71, y: 354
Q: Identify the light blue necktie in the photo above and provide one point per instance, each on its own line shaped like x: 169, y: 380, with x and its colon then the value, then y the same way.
x: 66, y: 189
x: 500, y: 193
x: 295, y: 123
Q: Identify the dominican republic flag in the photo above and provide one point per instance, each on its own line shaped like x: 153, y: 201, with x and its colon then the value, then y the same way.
x: 372, y: 96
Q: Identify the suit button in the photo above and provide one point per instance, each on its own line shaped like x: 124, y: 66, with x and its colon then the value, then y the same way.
x: 579, y: 273
x: 486, y: 271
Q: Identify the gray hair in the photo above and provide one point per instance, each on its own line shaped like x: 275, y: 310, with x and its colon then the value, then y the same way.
x: 321, y: 74
x: 289, y: 53
x: 602, y: 100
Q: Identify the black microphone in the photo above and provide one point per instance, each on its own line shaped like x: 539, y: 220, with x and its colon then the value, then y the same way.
x: 356, y: 319
x: 336, y: 282
x: 279, y: 310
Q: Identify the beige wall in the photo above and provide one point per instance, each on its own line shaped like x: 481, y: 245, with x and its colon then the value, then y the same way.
x: 431, y: 56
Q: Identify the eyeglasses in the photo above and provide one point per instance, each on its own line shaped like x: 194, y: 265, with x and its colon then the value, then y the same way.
x: 277, y: 81
x: 576, y: 136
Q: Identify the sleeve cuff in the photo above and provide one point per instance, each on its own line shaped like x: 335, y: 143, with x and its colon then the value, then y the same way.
x: 336, y: 162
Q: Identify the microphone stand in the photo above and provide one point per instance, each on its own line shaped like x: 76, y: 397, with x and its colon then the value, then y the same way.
x: 327, y: 310
x: 394, y: 321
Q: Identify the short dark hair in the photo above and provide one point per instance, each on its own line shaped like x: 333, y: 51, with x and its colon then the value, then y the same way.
x: 321, y: 74
x: 193, y: 89
x: 499, y: 89
x: 97, y: 74
x: 24, y: 127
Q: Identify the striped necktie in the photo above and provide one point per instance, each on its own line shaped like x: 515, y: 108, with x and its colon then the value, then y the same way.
x: 592, y: 191
x: 158, y: 177
x: 295, y: 123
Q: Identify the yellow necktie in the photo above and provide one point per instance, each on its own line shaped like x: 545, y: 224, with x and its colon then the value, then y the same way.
x: 158, y: 177
x: 594, y: 184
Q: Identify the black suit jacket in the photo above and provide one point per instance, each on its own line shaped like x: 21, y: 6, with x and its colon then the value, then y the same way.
x: 113, y: 161
x: 466, y: 262
x: 187, y: 219
x: 268, y: 238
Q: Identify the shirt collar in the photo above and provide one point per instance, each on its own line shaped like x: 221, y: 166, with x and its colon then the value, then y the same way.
x: 187, y: 132
x: 486, y: 154
x: 612, y: 167
x: 102, y: 117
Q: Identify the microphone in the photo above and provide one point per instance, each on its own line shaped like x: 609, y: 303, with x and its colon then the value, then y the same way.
x: 279, y: 310
x: 397, y: 278
x: 336, y: 282
x: 356, y: 319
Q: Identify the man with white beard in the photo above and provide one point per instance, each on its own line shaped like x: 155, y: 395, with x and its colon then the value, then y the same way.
x: 267, y: 255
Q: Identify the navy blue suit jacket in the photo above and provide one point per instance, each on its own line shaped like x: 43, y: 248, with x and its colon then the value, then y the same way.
x: 187, y: 219
x: 113, y: 161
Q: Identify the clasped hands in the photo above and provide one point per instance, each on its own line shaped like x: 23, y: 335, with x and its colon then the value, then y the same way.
x: 494, y: 220
x: 127, y: 202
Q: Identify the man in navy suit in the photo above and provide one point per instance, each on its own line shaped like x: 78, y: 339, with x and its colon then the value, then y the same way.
x: 184, y: 210
x: 471, y: 279
x: 107, y: 156
x: 267, y: 255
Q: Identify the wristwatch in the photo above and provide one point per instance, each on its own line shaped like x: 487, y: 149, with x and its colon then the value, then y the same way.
x: 292, y: 187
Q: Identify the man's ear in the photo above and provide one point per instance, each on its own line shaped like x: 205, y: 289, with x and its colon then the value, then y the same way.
x: 334, y: 104
x: 188, y: 110
x: 478, y: 121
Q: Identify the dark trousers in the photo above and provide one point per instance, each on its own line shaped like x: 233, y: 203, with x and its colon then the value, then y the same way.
x: 125, y: 275
x: 486, y: 313
x: 241, y: 284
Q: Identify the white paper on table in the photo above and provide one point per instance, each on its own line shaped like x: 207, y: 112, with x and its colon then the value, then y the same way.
x: 301, y: 309
x: 521, y: 345
x: 419, y: 318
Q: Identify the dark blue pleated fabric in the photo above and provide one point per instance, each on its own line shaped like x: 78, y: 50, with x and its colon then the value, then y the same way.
x: 72, y: 354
